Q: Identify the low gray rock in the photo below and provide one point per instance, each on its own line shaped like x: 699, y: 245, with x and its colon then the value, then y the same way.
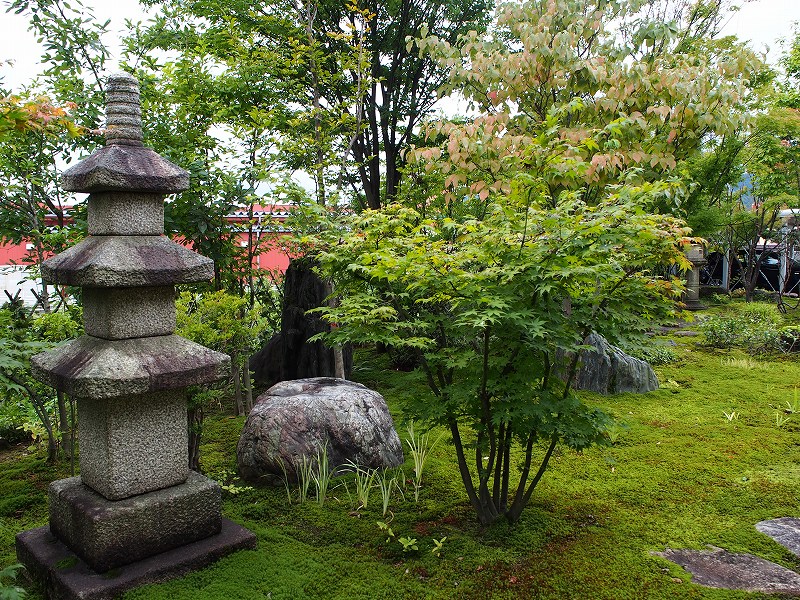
x: 721, y: 569
x: 297, y: 418
x: 785, y: 531
x: 608, y: 370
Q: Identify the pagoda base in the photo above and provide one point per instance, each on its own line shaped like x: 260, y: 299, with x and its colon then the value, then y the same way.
x: 107, y: 534
x: 64, y: 576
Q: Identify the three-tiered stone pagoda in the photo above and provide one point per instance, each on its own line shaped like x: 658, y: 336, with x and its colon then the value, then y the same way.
x: 136, y: 514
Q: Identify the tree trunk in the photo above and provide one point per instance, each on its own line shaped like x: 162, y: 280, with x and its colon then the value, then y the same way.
x: 45, y: 298
x: 40, y: 408
x: 195, y: 424
x: 64, y: 425
x: 237, y: 384
x: 338, y: 363
x: 338, y: 356
x: 248, y: 386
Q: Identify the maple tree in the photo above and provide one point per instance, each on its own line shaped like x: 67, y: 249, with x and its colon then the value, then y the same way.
x: 547, y: 225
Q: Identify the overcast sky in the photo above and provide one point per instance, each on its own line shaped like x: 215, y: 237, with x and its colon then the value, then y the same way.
x: 762, y: 22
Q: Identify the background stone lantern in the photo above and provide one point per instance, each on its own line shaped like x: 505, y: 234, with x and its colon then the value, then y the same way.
x: 691, y: 297
x: 136, y: 508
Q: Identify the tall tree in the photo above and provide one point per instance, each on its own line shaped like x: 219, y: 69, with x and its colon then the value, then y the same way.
x: 32, y: 157
x: 295, y: 50
x: 545, y: 228
x: 405, y: 83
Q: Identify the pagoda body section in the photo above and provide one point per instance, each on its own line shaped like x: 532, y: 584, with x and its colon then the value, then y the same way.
x: 136, y: 508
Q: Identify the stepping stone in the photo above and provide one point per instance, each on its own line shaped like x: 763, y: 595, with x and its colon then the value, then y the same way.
x: 718, y: 568
x: 785, y: 531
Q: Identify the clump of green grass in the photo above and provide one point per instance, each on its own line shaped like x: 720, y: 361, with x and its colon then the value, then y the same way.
x: 746, y: 364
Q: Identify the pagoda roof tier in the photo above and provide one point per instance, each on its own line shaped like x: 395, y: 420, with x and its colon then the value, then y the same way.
x: 127, y: 261
x: 90, y: 367
x: 125, y: 168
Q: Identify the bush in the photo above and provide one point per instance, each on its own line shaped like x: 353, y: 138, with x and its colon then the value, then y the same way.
x: 790, y: 338
x: 13, y: 416
x: 756, y: 327
x: 720, y: 332
x: 760, y: 314
x: 655, y: 355
x: 721, y: 298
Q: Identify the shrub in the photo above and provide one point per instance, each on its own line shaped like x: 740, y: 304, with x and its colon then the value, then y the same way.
x: 755, y: 326
x: 655, y: 355
x: 720, y: 332
x: 790, y: 338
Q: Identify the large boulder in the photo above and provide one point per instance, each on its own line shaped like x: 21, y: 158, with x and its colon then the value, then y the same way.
x: 295, y: 419
x: 608, y: 370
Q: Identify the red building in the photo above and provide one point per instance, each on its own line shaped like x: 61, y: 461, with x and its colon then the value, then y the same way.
x: 266, y: 227
x: 267, y: 223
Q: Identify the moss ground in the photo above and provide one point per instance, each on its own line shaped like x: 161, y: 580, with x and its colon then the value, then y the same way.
x: 680, y: 474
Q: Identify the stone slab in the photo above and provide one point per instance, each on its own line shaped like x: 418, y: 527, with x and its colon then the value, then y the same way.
x: 124, y: 313
x: 109, y: 534
x: 718, y: 568
x: 133, y: 445
x: 125, y: 168
x: 66, y: 577
x: 120, y: 213
x: 90, y: 367
x: 127, y: 261
x: 785, y: 531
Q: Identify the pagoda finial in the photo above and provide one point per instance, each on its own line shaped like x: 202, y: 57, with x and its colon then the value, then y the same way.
x: 123, y: 111
x: 124, y: 164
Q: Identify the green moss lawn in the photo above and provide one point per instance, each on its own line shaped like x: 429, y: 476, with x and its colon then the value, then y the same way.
x: 698, y: 462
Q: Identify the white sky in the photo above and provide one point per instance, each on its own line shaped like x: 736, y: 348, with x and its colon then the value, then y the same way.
x: 760, y: 21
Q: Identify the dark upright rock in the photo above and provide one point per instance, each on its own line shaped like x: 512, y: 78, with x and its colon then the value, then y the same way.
x: 289, y: 355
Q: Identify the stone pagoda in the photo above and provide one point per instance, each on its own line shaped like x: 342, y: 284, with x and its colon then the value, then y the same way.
x: 136, y: 514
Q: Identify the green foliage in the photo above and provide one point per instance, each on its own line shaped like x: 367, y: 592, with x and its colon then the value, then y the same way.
x: 539, y: 226
x: 58, y: 326
x: 409, y: 544
x: 438, y: 546
x: 74, y: 54
x: 781, y: 418
x: 305, y: 475
x: 481, y: 301
x: 42, y: 136
x: 341, y: 95
x: 220, y: 321
x: 228, y: 324
x: 656, y: 355
x: 8, y: 590
x: 757, y: 327
x: 386, y: 482
x: 27, y: 405
x: 363, y: 481
x: 420, y: 447
x: 227, y: 481
x: 322, y: 475
x: 790, y: 62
